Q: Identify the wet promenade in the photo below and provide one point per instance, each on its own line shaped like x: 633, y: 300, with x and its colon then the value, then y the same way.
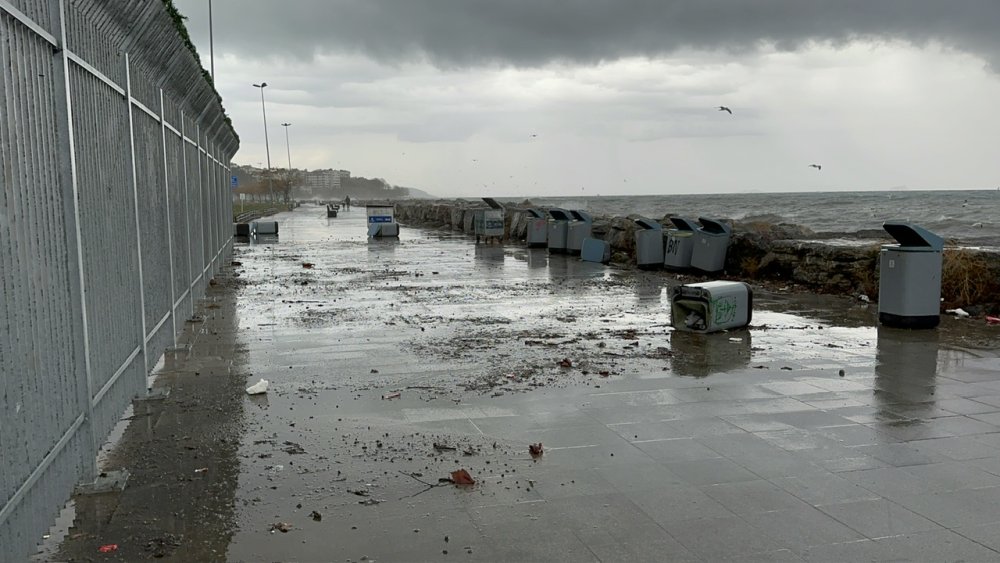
x: 815, y: 435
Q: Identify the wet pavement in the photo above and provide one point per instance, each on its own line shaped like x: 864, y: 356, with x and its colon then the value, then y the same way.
x: 814, y: 435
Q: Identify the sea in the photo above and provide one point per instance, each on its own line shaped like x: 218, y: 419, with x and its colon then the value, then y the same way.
x: 964, y: 218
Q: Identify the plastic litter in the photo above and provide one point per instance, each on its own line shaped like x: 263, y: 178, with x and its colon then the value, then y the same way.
x: 960, y: 313
x: 108, y: 548
x: 462, y: 477
x: 694, y: 321
x: 258, y: 388
x: 536, y: 450
x: 993, y: 320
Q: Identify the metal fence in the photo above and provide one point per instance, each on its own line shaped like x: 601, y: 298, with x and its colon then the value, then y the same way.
x: 114, y: 213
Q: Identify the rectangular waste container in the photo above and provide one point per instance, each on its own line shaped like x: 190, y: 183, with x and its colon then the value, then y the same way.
x: 711, y: 241
x: 595, y: 250
x: 558, y: 227
x: 679, y: 244
x: 579, y: 228
x: 537, y: 233
x: 648, y: 244
x: 382, y: 220
x: 909, y: 285
x: 711, y: 306
x: 488, y: 223
x: 264, y: 228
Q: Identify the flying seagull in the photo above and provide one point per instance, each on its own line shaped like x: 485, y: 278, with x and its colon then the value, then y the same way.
x: 724, y: 108
x: 816, y: 166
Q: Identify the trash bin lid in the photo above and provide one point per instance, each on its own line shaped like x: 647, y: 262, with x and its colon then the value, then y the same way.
x: 492, y: 203
x: 713, y: 226
x: 913, y: 236
x: 535, y: 213
x: 684, y: 224
x: 648, y: 224
x: 581, y: 216
x: 559, y: 214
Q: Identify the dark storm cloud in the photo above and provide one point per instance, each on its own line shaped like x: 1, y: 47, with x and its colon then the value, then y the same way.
x: 534, y: 32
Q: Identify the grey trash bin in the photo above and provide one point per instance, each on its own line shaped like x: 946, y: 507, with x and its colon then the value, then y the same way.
x: 264, y: 228
x: 595, y: 250
x: 679, y: 244
x: 382, y: 220
x: 579, y: 228
x: 711, y: 241
x: 648, y: 244
x: 537, y: 233
x: 909, y: 285
x: 487, y: 224
x: 558, y: 229
x: 711, y: 306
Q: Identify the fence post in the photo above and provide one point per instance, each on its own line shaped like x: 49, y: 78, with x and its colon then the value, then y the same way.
x: 74, y: 245
x: 170, y: 231
x: 187, y: 214
x: 135, y: 208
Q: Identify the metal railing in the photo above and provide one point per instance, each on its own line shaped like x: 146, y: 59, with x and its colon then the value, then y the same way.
x: 115, y: 212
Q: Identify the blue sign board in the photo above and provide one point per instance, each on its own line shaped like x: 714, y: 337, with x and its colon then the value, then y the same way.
x: 380, y: 219
x: 234, y: 182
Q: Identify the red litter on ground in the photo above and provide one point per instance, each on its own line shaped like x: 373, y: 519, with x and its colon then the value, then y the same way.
x: 108, y: 548
x: 462, y: 477
x: 993, y: 320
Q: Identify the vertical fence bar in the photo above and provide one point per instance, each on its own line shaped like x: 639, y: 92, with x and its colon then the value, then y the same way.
x: 135, y: 208
x: 170, y: 232
x: 74, y: 243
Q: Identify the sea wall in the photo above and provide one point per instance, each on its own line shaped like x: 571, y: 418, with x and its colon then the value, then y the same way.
x: 779, y: 254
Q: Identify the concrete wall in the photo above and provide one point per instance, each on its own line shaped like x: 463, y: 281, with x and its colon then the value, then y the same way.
x: 114, y: 214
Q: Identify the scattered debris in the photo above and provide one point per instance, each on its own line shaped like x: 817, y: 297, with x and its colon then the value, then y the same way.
x: 108, y: 548
x: 258, y: 388
x: 959, y: 312
x: 462, y: 477
x: 993, y: 320
x: 373, y: 371
x: 201, y: 470
x: 444, y: 447
x: 841, y: 373
x: 282, y: 527
x: 293, y: 448
x: 536, y: 450
x: 393, y: 395
x: 864, y: 298
x: 315, y: 515
x: 470, y: 451
x: 307, y: 265
x: 566, y: 363
x: 359, y: 492
x: 369, y: 502
x: 163, y: 546
x: 604, y: 373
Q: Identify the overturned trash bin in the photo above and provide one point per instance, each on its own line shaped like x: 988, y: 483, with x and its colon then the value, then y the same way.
x: 595, y: 250
x: 558, y: 229
x: 382, y: 221
x: 711, y: 306
x: 264, y: 228
x: 579, y: 228
x: 648, y: 244
x: 711, y: 241
x: 909, y: 284
x: 679, y: 244
x: 488, y: 223
x: 242, y: 229
x: 537, y: 233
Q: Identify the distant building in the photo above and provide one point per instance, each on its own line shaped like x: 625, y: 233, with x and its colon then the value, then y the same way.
x: 318, y: 181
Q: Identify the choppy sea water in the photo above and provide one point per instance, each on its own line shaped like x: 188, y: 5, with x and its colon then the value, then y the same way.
x: 967, y: 218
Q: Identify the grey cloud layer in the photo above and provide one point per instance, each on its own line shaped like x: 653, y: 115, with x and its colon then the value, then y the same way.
x: 535, y: 32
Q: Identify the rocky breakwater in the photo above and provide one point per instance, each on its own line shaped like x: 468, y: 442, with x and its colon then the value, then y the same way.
x: 773, y: 254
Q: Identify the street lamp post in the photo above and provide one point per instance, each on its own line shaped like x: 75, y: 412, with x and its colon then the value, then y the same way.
x: 288, y: 149
x: 267, y: 147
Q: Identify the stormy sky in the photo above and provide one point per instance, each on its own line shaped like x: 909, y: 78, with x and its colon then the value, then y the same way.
x: 601, y: 97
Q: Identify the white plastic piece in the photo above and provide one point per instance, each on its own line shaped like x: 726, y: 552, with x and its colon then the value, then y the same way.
x: 960, y: 313
x: 257, y: 388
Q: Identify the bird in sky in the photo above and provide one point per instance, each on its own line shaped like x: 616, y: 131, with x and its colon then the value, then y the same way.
x: 534, y: 134
x: 724, y: 108
x: 816, y: 166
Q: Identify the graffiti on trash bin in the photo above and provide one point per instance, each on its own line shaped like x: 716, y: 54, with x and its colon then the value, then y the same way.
x: 724, y: 310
